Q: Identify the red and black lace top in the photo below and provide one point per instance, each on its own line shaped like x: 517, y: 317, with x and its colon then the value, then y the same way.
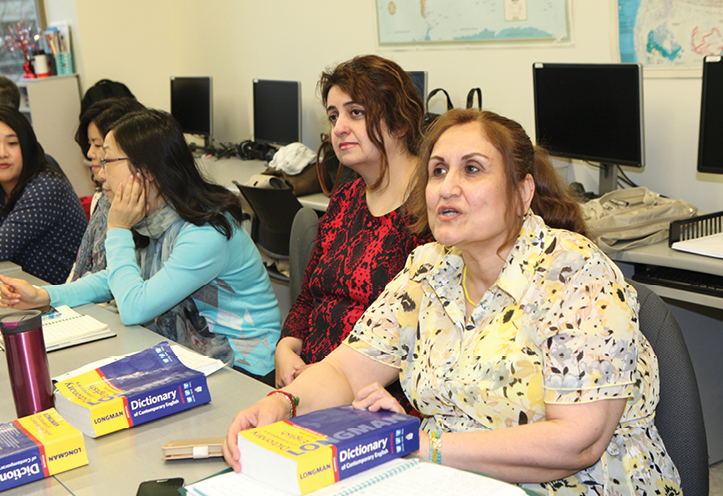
x: 355, y: 255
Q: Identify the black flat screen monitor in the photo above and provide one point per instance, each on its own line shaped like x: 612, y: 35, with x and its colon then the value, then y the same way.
x: 419, y: 78
x: 277, y: 111
x: 710, y: 138
x: 192, y: 104
x: 591, y: 112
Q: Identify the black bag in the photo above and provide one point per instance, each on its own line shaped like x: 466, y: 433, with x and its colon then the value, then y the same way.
x: 470, y: 98
x: 330, y: 171
x: 430, y: 117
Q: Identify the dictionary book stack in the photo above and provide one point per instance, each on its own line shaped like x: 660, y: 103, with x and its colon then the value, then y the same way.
x: 145, y: 386
x: 315, y: 450
x: 38, y: 446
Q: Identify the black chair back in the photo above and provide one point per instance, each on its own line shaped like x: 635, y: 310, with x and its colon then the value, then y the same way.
x: 679, y: 415
x: 303, y: 235
x: 274, y: 211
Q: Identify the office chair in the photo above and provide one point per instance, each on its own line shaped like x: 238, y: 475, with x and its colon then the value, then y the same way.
x: 274, y: 211
x: 303, y: 234
x: 679, y: 415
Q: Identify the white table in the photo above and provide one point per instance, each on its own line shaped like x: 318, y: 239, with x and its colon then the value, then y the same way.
x: 119, y: 461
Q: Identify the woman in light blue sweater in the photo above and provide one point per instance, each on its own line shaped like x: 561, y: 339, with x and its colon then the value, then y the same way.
x: 178, y: 259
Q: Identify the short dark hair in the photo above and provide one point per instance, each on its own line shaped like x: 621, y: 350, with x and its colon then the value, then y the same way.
x: 34, y: 161
x: 154, y: 143
x: 387, y: 93
x: 104, y: 113
x: 9, y: 93
x: 103, y: 90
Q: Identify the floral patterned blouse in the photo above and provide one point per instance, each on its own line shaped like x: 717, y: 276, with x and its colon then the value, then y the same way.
x: 559, y: 326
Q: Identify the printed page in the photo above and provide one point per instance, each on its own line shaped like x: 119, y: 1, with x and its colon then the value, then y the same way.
x: 232, y: 484
x: 430, y: 478
x: 420, y: 478
x: 64, y: 324
x: 709, y: 246
x: 190, y: 359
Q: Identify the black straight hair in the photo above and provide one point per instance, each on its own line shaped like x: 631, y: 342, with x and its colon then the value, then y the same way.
x: 104, y: 113
x: 34, y: 161
x: 154, y: 143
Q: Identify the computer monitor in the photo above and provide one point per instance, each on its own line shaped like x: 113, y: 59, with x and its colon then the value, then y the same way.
x: 710, y: 138
x: 420, y: 82
x: 277, y: 111
x: 591, y: 112
x: 192, y: 105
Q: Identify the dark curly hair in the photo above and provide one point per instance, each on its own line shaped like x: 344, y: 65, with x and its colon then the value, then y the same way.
x: 387, y: 94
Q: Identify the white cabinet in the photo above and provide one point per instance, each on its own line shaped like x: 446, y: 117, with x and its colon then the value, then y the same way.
x: 52, y: 105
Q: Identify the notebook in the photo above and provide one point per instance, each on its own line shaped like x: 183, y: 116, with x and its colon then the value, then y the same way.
x: 399, y: 476
x: 65, y: 327
x: 709, y: 246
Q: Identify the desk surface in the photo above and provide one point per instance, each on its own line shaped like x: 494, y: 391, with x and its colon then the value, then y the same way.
x: 118, y: 462
x: 660, y: 254
x: 226, y: 170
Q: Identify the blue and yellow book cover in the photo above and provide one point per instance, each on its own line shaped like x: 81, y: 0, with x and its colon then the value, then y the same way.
x: 315, y: 450
x: 145, y: 386
x: 38, y: 446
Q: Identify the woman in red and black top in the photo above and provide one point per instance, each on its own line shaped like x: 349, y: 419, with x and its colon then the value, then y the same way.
x: 362, y: 242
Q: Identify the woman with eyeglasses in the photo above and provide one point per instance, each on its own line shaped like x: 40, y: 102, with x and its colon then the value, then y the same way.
x: 42, y: 220
x: 178, y: 259
x: 94, y: 125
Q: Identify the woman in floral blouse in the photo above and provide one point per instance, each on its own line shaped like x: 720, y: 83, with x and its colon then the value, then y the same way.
x: 516, y: 339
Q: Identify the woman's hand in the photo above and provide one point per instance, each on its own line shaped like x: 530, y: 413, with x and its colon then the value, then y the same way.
x: 288, y: 370
x: 374, y: 398
x: 287, y: 360
x: 21, y: 295
x: 264, y: 412
x: 129, y: 203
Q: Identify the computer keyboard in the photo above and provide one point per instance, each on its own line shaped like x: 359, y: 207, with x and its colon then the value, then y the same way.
x: 686, y: 280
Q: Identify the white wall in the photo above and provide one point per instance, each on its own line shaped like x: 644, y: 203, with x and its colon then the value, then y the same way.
x: 143, y: 43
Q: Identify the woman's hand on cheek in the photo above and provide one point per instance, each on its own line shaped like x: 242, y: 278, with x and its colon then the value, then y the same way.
x: 374, y: 398
x: 129, y: 203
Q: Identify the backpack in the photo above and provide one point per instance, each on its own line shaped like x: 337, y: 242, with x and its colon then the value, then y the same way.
x: 628, y: 218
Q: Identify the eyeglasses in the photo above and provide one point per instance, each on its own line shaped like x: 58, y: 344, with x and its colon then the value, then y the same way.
x: 105, y: 161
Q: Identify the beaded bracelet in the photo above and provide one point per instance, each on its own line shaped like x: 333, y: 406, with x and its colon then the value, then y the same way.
x: 293, y: 400
x: 435, y: 447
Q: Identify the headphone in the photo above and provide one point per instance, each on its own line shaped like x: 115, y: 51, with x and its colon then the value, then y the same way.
x: 251, y: 150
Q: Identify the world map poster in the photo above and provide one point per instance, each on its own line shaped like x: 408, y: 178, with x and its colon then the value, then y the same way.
x: 670, y: 34
x: 435, y: 22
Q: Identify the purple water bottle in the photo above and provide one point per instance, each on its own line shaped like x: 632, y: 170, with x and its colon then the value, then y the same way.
x: 27, y: 361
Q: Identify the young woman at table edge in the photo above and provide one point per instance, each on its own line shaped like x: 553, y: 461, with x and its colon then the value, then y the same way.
x: 42, y: 220
x: 516, y: 341
x: 376, y: 118
x: 191, y: 268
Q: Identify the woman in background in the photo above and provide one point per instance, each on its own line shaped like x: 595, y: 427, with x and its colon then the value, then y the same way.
x: 376, y: 118
x: 94, y: 125
x: 178, y: 259
x: 42, y: 220
x: 513, y: 335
